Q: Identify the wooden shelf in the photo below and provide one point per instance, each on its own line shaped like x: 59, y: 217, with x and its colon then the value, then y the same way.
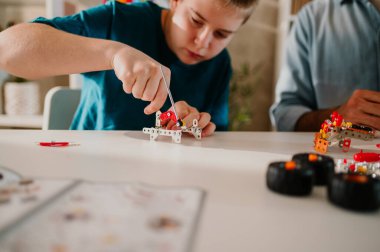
x: 22, y: 2
x: 21, y: 121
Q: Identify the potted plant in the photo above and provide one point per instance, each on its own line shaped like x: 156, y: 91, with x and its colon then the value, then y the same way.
x: 244, y: 83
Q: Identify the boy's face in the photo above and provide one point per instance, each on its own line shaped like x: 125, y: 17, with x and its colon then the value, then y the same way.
x: 200, y: 29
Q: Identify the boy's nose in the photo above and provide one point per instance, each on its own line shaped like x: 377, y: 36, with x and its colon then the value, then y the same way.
x: 203, y: 38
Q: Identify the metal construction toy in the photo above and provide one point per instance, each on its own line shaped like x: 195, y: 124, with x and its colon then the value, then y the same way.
x: 337, y: 130
x: 363, y: 163
x: 154, y: 132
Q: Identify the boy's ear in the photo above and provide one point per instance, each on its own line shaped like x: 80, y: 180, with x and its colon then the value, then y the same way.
x: 174, y: 4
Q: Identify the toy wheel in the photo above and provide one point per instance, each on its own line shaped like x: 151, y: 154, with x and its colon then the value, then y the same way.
x: 322, y: 165
x: 355, y: 192
x: 295, y: 181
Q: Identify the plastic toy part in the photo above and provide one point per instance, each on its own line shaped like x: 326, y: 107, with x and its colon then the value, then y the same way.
x: 363, y: 163
x: 290, y: 165
x: 170, y: 115
x: 320, y: 145
x: 345, y: 144
x: 176, y: 135
x: 367, y: 157
x: 179, y: 123
x: 54, y: 144
x: 289, y: 178
x: 355, y: 192
x: 323, y: 166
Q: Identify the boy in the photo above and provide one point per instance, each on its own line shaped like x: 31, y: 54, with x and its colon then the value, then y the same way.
x: 133, y: 40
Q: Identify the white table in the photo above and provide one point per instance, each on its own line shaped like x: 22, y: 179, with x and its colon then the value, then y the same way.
x: 240, y: 213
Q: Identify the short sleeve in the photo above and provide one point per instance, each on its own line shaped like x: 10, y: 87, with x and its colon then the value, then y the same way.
x: 94, y: 22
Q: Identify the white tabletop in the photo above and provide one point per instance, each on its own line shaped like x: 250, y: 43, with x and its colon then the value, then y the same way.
x: 240, y: 213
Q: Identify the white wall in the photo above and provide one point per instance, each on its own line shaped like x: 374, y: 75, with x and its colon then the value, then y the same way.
x: 20, y: 10
x: 255, y: 44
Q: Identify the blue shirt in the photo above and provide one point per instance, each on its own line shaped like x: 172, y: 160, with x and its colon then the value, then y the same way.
x: 333, y: 49
x: 105, y: 106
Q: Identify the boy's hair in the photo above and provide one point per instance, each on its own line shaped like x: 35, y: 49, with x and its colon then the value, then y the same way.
x: 242, y: 4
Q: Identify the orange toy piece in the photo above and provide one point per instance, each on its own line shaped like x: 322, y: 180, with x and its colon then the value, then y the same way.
x: 320, y: 144
x: 290, y: 165
x: 313, y: 157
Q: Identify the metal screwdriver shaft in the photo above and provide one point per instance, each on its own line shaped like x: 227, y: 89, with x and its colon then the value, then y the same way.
x: 179, y: 122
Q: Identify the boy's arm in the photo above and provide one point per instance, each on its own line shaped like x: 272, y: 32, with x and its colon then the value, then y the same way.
x: 363, y: 107
x: 37, y: 50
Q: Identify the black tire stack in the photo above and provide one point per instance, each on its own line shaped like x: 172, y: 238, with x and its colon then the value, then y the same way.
x: 298, y: 176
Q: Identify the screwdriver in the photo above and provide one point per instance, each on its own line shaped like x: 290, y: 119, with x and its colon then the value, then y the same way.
x: 179, y: 122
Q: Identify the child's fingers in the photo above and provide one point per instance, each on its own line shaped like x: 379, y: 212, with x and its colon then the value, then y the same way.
x: 208, y: 130
x: 128, y: 82
x: 171, y: 125
x: 151, y: 87
x: 158, y: 100
x: 204, y: 119
x: 182, y: 109
x: 190, y: 118
x: 185, y: 112
x: 164, y: 122
x: 139, y: 86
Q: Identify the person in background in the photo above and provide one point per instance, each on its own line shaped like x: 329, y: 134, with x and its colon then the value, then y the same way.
x: 120, y: 49
x: 332, y: 63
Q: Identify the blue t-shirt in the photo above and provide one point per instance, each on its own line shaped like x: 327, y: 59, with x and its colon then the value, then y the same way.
x: 105, y: 106
x: 333, y: 49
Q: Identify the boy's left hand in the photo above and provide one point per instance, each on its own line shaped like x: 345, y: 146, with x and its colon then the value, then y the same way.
x: 188, y: 113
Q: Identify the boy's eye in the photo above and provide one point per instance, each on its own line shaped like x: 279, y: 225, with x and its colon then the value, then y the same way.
x: 195, y: 21
x: 220, y: 35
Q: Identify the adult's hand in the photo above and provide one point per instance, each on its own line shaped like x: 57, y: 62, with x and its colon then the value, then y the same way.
x: 363, y: 107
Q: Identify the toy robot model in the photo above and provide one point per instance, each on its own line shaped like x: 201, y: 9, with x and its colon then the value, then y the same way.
x: 154, y: 132
x: 337, y: 130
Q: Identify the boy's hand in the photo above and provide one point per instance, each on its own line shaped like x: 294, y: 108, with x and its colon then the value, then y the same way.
x: 363, y: 107
x: 141, y: 76
x: 188, y: 113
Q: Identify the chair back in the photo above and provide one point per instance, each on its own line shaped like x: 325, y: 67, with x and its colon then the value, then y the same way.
x: 59, y: 109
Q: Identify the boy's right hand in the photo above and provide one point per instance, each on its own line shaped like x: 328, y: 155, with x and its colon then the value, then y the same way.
x: 141, y: 76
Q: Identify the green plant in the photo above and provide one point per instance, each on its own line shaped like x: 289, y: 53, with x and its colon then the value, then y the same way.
x: 245, y: 80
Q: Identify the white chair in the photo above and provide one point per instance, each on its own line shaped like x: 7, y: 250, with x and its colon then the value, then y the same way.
x: 60, y: 106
